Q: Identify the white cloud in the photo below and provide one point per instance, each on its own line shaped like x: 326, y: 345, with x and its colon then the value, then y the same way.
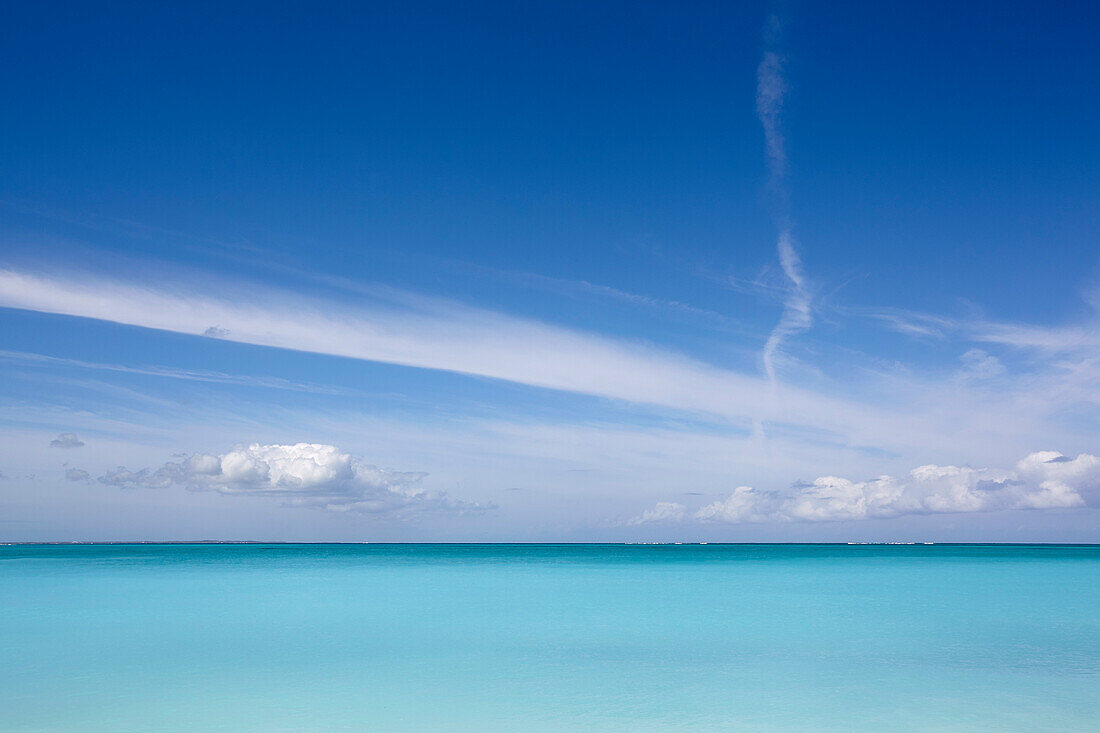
x: 77, y: 474
x: 745, y: 504
x: 303, y: 474
x: 428, y: 333
x: 797, y: 313
x: 1059, y: 478
x: 663, y: 511
x: 977, y: 364
x: 771, y: 89
x: 184, y: 374
x: 901, y: 413
x: 1082, y: 337
x: 1050, y: 340
x: 911, y: 323
x: 585, y: 290
x: 66, y: 440
x: 1042, y: 480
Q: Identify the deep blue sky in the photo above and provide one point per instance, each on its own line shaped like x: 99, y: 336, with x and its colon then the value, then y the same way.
x: 557, y: 179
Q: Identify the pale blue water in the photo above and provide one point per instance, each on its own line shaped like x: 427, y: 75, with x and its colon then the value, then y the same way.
x: 549, y: 637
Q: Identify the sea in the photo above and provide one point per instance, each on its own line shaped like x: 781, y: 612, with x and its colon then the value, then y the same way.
x: 544, y: 637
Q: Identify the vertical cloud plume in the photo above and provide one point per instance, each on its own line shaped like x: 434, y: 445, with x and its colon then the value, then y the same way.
x: 797, y: 315
x: 771, y: 90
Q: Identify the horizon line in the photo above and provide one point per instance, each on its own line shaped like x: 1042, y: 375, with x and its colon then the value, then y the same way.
x: 548, y: 544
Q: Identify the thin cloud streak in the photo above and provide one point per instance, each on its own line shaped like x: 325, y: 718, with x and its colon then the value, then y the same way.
x: 434, y: 334
x: 771, y: 90
x: 797, y: 314
x: 193, y: 375
x: 1046, y: 340
x: 590, y: 290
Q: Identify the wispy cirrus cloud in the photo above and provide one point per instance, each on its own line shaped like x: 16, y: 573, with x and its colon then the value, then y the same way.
x: 192, y: 375
x: 1039, y: 369
x: 1053, y: 340
x: 913, y: 324
x: 1083, y: 336
x: 434, y: 334
x: 583, y: 289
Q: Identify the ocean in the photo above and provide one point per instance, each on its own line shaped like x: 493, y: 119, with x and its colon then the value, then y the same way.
x: 273, y: 637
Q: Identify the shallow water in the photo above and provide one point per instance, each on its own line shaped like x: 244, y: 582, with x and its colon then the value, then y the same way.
x: 549, y: 637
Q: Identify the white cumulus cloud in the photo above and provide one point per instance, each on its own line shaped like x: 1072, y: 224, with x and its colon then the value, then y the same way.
x: 745, y: 504
x: 303, y: 474
x: 1042, y: 480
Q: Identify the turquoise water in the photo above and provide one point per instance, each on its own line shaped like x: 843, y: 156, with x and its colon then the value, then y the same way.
x: 549, y: 637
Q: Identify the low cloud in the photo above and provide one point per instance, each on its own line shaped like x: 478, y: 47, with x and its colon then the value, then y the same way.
x: 77, y: 474
x: 303, y: 474
x: 1042, y: 480
x: 663, y: 511
x: 66, y: 440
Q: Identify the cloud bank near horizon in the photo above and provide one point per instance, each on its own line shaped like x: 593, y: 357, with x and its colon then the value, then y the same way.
x: 303, y: 474
x: 1041, y: 480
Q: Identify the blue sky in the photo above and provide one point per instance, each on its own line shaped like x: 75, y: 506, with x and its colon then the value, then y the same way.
x: 574, y: 271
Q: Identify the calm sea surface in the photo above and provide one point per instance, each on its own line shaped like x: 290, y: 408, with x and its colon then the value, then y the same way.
x: 549, y: 637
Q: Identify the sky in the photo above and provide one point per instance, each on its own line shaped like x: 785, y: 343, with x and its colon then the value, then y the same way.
x: 588, y: 271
